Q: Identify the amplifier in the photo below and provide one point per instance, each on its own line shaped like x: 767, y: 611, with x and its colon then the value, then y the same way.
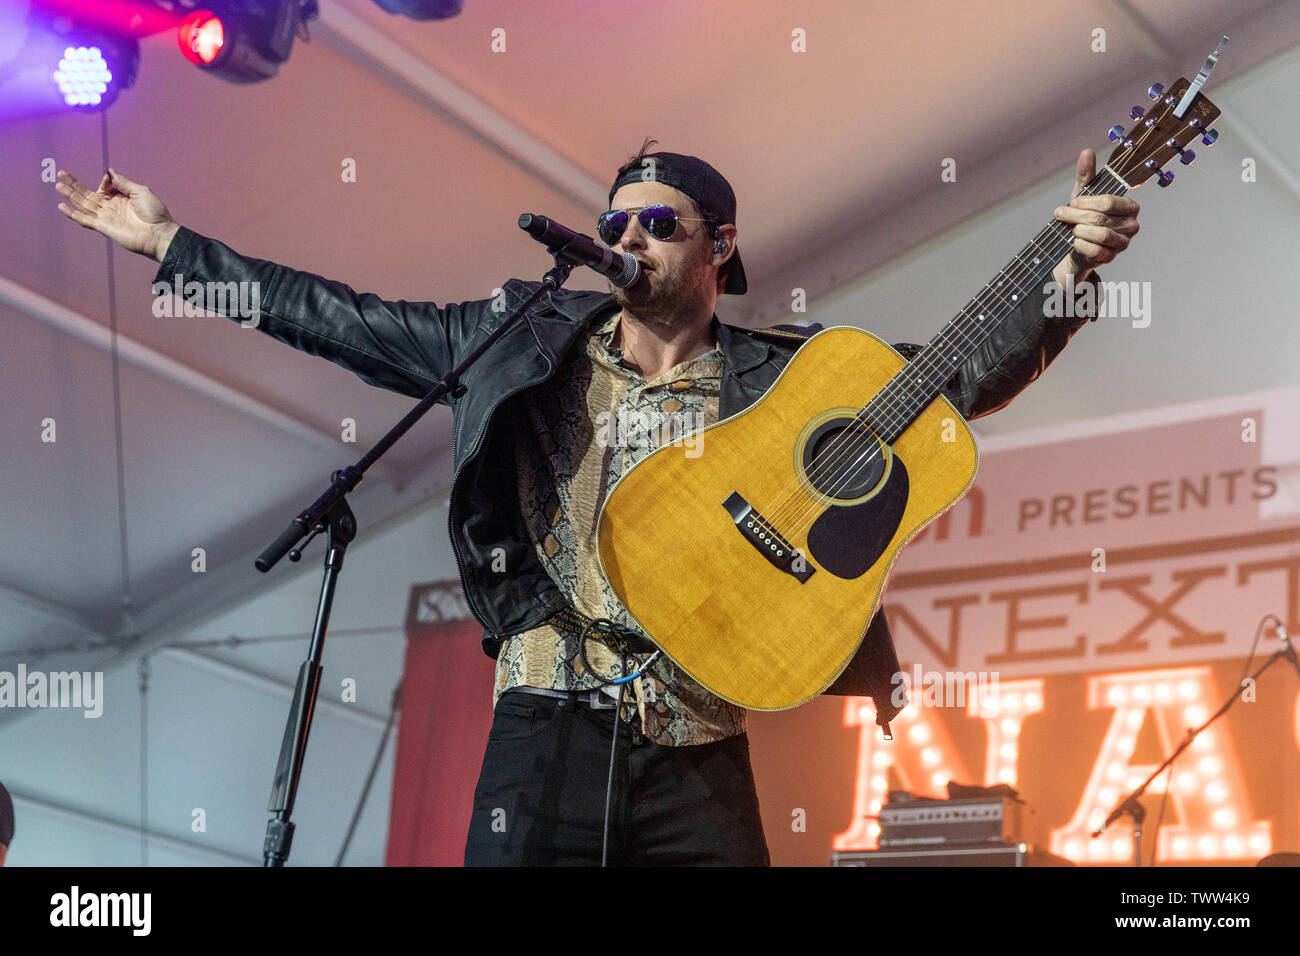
x: 984, y: 854
x: 927, y: 822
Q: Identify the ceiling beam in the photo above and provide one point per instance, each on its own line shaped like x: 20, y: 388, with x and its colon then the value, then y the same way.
x: 407, y: 72
x: 141, y: 356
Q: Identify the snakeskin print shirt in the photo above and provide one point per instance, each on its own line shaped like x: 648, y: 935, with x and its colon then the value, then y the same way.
x: 584, y: 428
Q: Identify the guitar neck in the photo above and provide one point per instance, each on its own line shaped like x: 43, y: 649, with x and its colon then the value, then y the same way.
x: 922, y: 379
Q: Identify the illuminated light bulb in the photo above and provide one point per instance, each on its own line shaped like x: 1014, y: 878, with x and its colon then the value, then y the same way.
x: 1259, y: 843
x: 1215, y: 791
x: 919, y: 734
x: 1181, y: 846
x: 1186, y: 781
x: 1116, y: 696
x: 1205, y: 741
x: 1194, y: 714
x: 1072, y: 848
x: 1142, y: 692
x: 1187, y: 689
x: 1117, y: 770
x: 1209, y: 766
x: 1007, y: 775
x: 1224, y: 817
x: 1234, y: 845
x: 1033, y: 701
x: 1207, y: 845
x: 1119, y: 848
x: 1134, y: 719
x: 1011, y: 702
x: 929, y: 756
x: 1007, y: 751
x: 875, y: 806
x: 939, y: 779
x: 873, y: 829
x: 865, y: 715
x: 878, y: 782
x: 1124, y: 745
x: 1096, y: 849
x: 880, y: 758
x: 1164, y: 692
x: 1010, y: 725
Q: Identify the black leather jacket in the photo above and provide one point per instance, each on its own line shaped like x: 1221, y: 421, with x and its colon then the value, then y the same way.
x: 407, y: 346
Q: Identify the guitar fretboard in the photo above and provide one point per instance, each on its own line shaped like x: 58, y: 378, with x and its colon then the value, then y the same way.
x: 922, y: 379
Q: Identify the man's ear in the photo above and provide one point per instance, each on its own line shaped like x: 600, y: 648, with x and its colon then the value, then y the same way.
x: 726, y: 234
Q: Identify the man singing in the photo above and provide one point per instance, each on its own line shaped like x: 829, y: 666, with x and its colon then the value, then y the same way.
x: 535, y: 454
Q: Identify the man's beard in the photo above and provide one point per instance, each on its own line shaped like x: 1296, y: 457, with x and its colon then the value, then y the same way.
x: 664, y: 301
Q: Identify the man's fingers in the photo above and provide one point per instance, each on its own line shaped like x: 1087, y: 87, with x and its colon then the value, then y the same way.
x: 78, y: 217
x: 1084, y: 169
x: 1108, y: 203
x: 78, y: 193
x: 82, y: 200
x: 1101, y: 236
x: 121, y: 182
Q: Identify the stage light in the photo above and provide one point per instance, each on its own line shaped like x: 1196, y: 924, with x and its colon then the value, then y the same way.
x: 201, y: 37
x: 244, y: 41
x: 85, y: 67
x: 90, y: 76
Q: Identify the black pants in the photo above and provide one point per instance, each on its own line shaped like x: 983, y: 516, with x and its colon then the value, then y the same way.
x: 540, y: 799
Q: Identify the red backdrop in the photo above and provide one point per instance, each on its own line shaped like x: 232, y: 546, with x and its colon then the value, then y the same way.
x: 442, y: 731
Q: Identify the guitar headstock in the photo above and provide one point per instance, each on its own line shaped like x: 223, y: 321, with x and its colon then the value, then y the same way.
x: 1158, y: 135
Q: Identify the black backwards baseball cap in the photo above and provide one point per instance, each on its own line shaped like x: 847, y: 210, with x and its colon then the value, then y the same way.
x: 697, y: 179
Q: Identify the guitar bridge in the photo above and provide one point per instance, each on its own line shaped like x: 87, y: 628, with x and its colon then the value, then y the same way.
x: 766, y: 541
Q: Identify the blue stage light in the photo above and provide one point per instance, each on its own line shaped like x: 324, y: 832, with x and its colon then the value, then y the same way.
x: 83, y: 76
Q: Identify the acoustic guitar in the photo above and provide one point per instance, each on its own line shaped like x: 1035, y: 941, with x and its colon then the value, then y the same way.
x: 788, y: 516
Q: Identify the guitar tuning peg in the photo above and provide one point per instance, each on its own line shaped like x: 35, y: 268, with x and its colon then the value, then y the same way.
x: 1115, y: 133
x: 1210, y: 136
x: 1186, y: 156
x: 1136, y: 112
x: 1164, y: 178
x: 1154, y: 90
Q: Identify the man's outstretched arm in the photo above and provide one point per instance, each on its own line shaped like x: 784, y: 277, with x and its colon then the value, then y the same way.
x: 402, y: 346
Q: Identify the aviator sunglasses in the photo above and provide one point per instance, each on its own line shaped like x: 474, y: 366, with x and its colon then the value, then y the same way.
x: 658, y: 220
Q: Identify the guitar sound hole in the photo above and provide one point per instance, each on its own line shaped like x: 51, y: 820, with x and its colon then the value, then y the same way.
x: 843, y: 459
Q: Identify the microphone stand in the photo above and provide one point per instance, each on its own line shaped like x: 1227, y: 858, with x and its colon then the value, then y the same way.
x: 331, y: 515
x: 1131, y: 805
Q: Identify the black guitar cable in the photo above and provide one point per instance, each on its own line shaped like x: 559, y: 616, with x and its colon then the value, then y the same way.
x: 620, y: 635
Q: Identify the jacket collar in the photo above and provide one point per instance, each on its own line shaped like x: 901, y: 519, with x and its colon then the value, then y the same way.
x: 740, y: 351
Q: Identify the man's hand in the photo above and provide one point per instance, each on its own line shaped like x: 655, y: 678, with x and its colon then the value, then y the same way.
x: 1103, y: 225
x: 128, y: 213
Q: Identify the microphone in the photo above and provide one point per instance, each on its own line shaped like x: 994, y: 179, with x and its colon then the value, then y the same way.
x: 620, y: 268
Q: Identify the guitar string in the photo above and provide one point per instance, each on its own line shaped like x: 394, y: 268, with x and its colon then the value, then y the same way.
x: 930, y: 362
x: 1063, y: 241
x: 903, y: 401
x: 900, y: 394
x: 931, y: 351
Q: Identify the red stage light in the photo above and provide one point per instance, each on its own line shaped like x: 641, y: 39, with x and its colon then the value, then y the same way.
x: 201, y: 37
